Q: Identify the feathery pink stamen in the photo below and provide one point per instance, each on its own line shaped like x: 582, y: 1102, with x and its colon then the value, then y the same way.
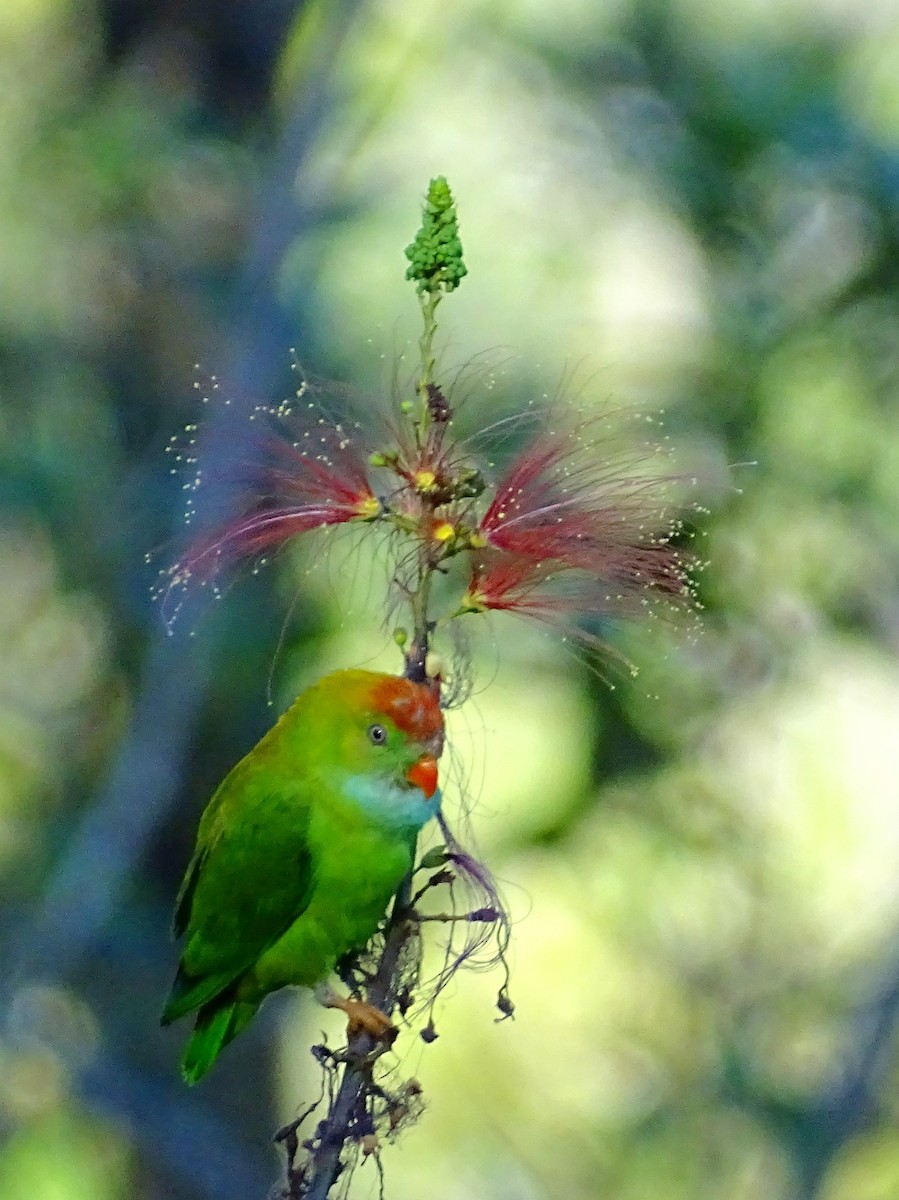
x: 316, y: 481
x: 569, y: 501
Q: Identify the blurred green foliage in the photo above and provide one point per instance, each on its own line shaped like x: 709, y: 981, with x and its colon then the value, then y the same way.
x: 670, y: 205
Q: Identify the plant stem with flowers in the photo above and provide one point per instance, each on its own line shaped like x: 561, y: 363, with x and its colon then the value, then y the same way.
x: 435, y: 264
x: 578, y: 526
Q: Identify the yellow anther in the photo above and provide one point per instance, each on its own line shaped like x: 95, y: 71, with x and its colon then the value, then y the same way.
x: 425, y: 481
x: 444, y: 531
x: 472, y: 602
x: 368, y: 508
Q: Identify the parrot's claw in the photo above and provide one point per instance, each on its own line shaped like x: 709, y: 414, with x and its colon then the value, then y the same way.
x: 365, y: 1018
x: 361, y: 1017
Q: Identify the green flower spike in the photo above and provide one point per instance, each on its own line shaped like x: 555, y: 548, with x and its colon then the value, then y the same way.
x: 435, y: 257
x: 436, y: 267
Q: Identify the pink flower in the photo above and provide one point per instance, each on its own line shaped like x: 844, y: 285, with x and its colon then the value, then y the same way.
x: 580, y: 528
x: 510, y: 583
x: 305, y: 478
x: 575, y: 504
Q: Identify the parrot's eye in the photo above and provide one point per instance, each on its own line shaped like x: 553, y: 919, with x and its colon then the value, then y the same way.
x: 377, y: 735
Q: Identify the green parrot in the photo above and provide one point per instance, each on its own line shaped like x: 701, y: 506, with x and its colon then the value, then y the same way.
x: 299, y: 851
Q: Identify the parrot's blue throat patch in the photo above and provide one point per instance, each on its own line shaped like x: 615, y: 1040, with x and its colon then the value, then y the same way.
x: 394, y: 805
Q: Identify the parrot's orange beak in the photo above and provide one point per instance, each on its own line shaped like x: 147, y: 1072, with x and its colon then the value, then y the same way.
x: 423, y: 774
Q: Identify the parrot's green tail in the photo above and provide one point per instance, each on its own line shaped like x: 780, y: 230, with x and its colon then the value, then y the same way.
x: 217, y: 1023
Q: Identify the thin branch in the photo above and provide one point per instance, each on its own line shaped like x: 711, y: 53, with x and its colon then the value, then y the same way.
x: 337, y: 1128
x: 346, y: 1115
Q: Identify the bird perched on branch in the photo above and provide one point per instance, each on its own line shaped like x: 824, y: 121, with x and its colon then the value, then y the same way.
x: 299, y: 852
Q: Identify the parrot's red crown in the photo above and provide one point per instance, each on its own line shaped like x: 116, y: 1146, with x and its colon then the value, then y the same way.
x: 413, y: 707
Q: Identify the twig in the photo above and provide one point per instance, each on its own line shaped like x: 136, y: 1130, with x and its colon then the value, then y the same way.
x: 337, y: 1128
x: 346, y: 1114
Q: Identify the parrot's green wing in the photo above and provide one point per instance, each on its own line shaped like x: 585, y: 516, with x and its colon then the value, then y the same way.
x: 213, y: 823
x: 250, y: 878
x: 181, y: 915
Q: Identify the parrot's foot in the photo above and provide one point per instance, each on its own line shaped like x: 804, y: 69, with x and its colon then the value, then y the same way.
x: 361, y: 1017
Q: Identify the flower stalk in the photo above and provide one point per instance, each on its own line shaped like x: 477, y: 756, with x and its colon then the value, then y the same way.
x: 436, y: 266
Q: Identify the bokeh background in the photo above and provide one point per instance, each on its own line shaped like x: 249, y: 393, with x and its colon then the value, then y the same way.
x: 696, y: 202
